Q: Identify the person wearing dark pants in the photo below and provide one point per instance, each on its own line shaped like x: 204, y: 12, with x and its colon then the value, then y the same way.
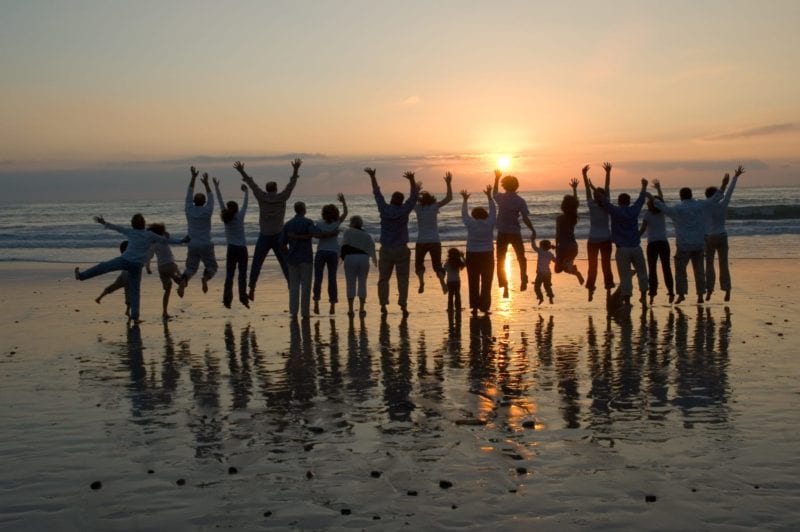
x: 479, y: 259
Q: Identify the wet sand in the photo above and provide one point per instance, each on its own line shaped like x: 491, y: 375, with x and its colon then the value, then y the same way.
x: 551, y: 417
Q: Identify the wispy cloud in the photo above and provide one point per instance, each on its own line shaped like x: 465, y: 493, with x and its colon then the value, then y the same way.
x: 218, y: 159
x: 691, y: 165
x: 410, y: 101
x: 761, y: 131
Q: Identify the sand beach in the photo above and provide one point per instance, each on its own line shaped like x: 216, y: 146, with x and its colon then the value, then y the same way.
x: 551, y: 417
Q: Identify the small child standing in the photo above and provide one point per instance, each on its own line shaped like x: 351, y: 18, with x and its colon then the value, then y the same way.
x: 543, y: 275
x: 452, y: 268
x: 120, y: 282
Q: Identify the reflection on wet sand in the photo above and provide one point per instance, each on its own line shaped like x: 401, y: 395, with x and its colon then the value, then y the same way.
x: 620, y: 377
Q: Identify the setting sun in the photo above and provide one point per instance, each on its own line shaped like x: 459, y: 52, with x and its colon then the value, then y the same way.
x: 504, y: 162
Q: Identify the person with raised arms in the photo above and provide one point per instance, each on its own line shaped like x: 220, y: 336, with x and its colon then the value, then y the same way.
x: 717, y: 239
x: 236, y: 255
x: 654, y: 223
x: 271, y: 212
x: 199, y: 208
x: 599, y: 241
x: 480, y: 251
x: 327, y: 255
x: 428, y: 239
x: 510, y: 207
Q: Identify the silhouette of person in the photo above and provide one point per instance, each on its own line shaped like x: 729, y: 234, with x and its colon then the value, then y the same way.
x: 199, y: 208
x: 599, y: 241
x: 510, y: 207
x: 428, y: 239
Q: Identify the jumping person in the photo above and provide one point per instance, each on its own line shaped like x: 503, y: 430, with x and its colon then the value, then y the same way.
x: 510, y: 206
x: 689, y: 217
x: 452, y: 268
x: 566, y: 245
x: 327, y: 255
x: 357, y: 249
x: 717, y: 239
x: 543, y: 276
x: 168, y: 271
x: 199, y: 208
x: 654, y: 223
x: 480, y: 259
x: 132, y: 259
x: 236, y: 255
x: 428, y: 239
x: 394, y: 251
x: 120, y: 282
x: 271, y: 211
x: 599, y: 241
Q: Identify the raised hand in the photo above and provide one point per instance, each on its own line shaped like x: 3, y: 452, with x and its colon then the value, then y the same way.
x: 370, y: 171
x: 573, y: 183
x: 739, y: 171
x: 194, y: 172
x: 607, y: 167
x: 296, y: 164
x: 239, y: 166
x: 340, y: 197
x: 488, y: 191
x: 656, y: 184
x: 448, y: 177
x: 244, y: 188
x: 585, y: 171
x: 409, y: 175
x: 465, y: 194
x: 100, y: 220
x: 215, y: 181
x: 644, y: 183
x: 498, y: 174
x: 725, y: 180
x: 204, y: 179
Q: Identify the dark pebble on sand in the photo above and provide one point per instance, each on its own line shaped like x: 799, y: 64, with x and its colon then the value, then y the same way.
x: 97, y: 405
x: 529, y: 424
x: 316, y: 430
x: 453, y: 506
x: 649, y: 498
x: 769, y: 323
x: 232, y: 470
x: 345, y: 511
x: 12, y: 352
x: 412, y: 493
x: 309, y: 475
x: 445, y: 484
x: 96, y: 485
x: 512, y: 490
x: 375, y: 474
x: 308, y: 447
x: 780, y: 334
x: 757, y: 487
x: 376, y: 518
x: 77, y: 310
x: 522, y: 470
x: 180, y: 482
x: 150, y: 472
x: 267, y: 514
x: 515, y: 456
x: 694, y: 490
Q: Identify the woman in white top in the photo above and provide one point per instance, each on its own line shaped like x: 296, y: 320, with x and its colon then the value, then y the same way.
x: 328, y: 252
x: 358, y: 247
x: 428, y: 240
x: 480, y: 252
x: 654, y: 223
x: 237, y: 255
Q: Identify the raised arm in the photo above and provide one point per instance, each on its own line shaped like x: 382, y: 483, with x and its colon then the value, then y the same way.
x: 657, y: 186
x: 287, y: 191
x: 376, y: 190
x: 413, y: 193
x: 464, y: 208
x: 607, y: 168
x: 448, y: 179
x: 586, y: 184
x: 216, y: 190
x: 190, y: 189
x: 732, y: 186
x: 343, y: 217
x: 239, y: 166
x: 642, y: 195
x: 492, y: 208
x: 209, y: 196
x: 574, y: 185
x: 496, y: 188
x: 243, y: 210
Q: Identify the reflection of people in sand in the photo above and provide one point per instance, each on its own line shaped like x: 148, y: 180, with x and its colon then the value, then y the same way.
x: 510, y: 207
x: 272, y: 209
x: 396, y: 371
x: 132, y: 259
x: 452, y: 269
x: 394, y: 251
x: 236, y: 255
x: 566, y: 245
x: 199, y: 208
x: 480, y: 256
x: 120, y: 282
x: 239, y: 366
x: 717, y: 239
x: 599, y: 232
x: 359, y: 362
x: 357, y: 249
x: 428, y: 240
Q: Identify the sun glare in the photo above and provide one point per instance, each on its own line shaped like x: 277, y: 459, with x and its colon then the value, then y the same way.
x: 504, y: 162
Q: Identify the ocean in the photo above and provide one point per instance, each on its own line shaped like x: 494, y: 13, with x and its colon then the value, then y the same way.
x: 762, y: 223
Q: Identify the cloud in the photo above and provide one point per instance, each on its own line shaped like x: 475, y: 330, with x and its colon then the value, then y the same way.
x: 410, y: 101
x: 692, y: 165
x: 217, y: 159
x: 761, y: 131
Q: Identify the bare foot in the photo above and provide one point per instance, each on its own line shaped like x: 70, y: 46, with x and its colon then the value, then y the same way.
x: 580, y: 277
x: 505, y: 292
x: 522, y: 285
x: 671, y: 298
x: 165, y: 316
x: 97, y: 300
x: 245, y: 303
x: 708, y: 295
x: 332, y: 309
x: 421, y: 288
x: 251, y: 295
x: 591, y: 293
x: 699, y: 299
x: 181, y: 287
x: 727, y: 295
x: 204, y: 282
x: 680, y: 300
x: 77, y: 274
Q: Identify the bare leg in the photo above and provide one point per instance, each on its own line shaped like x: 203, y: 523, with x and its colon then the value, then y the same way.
x: 165, y: 303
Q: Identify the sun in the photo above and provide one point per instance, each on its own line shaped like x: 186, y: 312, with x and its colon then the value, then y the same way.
x: 503, y: 162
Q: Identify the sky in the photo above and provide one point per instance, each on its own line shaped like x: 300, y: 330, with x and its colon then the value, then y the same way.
x: 114, y: 100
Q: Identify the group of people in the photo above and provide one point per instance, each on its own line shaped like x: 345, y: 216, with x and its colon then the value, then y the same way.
x: 699, y: 227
